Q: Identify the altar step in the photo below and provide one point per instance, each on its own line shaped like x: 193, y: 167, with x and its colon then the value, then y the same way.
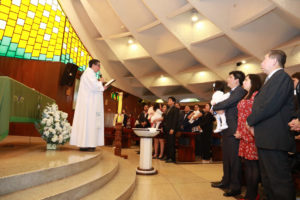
x: 40, y: 169
x: 91, y: 175
x: 120, y: 187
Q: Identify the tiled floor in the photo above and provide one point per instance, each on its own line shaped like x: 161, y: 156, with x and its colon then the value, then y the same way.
x: 176, y: 181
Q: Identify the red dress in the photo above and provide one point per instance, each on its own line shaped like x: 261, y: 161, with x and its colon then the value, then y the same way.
x: 247, y: 147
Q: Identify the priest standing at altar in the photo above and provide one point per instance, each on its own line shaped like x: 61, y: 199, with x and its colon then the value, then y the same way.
x: 88, y: 122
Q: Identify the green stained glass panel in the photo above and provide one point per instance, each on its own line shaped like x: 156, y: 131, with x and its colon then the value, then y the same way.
x: 20, y: 52
x: 27, y: 55
x: 11, y: 54
x: 42, y: 57
x: 56, y: 58
x: 13, y: 47
x: 5, y: 41
x: 3, y: 50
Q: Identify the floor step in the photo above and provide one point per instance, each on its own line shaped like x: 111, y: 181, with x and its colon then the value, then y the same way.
x: 120, y: 187
x: 42, y: 167
x: 72, y: 187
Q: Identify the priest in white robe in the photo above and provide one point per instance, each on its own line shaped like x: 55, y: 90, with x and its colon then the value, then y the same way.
x: 88, y: 122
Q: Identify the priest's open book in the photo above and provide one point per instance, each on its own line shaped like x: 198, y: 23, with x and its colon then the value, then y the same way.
x: 109, y: 82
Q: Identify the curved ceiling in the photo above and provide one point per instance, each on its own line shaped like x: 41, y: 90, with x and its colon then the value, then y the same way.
x: 171, y: 54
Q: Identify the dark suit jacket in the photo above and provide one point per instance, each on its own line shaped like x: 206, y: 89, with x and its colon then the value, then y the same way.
x: 272, y: 110
x: 230, y: 107
x: 143, y: 118
x: 172, y: 119
x: 207, y: 122
x: 187, y: 127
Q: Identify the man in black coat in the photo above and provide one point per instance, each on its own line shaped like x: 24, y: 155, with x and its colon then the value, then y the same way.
x: 143, y: 118
x: 230, y: 146
x: 186, y: 125
x: 171, y: 126
x: 272, y: 110
x: 206, y: 124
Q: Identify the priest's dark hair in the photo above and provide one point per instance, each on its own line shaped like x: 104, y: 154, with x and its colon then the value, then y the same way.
x: 238, y: 75
x: 93, y: 62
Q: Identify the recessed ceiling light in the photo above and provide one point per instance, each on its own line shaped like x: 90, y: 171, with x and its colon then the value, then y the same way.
x: 130, y: 40
x: 194, y: 17
x: 243, y: 61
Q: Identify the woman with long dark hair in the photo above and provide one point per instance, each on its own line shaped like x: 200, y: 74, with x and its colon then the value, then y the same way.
x: 247, y: 148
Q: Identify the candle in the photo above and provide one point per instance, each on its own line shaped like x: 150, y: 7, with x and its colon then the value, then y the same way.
x: 120, y: 119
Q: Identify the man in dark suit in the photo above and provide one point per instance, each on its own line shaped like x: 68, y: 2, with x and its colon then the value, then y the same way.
x: 186, y: 125
x: 230, y: 146
x: 171, y: 126
x: 272, y: 110
x: 143, y: 118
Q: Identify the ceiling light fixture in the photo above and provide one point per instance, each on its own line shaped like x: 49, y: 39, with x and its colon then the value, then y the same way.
x: 194, y: 17
x: 130, y: 41
x: 243, y: 61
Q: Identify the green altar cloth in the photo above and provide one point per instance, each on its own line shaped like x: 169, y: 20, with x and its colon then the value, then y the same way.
x: 19, y: 103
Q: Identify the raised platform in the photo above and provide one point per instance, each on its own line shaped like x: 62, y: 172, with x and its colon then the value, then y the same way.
x: 28, y: 171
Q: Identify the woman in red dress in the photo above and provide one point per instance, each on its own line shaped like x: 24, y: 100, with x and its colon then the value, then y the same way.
x: 247, y: 149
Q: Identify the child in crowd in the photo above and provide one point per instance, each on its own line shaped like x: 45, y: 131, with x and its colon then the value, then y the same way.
x: 217, y: 97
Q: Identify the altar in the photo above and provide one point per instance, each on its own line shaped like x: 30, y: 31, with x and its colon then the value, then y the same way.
x: 19, y: 103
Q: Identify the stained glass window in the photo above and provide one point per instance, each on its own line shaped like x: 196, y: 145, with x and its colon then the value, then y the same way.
x: 39, y: 30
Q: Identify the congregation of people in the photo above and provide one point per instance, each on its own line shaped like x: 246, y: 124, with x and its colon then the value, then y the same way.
x: 258, y: 123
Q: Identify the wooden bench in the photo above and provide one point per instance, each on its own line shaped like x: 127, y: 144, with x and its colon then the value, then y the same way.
x: 186, y: 153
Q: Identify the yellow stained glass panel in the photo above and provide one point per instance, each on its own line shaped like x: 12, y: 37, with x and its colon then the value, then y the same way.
x: 4, y: 9
x: 39, y: 39
x: 49, y: 54
x: 6, y: 2
x: 14, y: 8
x: 33, y: 33
x: 22, y: 15
x: 45, y: 43
x: 31, y: 41
x: 36, y: 53
x: 1, y: 34
x: 27, y: 27
x: 44, y: 51
x: 51, y: 48
x: 28, y: 21
x: 13, y: 15
x: 48, y: 7
x: 41, y: 31
x: 40, y: 7
x: 57, y: 52
x: 15, y: 38
x: 44, y: 19
x: 11, y: 22
x: 8, y: 31
x: 3, y: 16
x: 24, y: 8
x: 28, y: 49
x: 18, y: 29
x: 35, y: 26
x: 25, y: 2
x: 32, y: 8
x: 37, y: 46
x: 25, y: 35
x: 22, y: 44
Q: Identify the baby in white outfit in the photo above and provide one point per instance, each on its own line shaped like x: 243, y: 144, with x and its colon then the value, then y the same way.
x: 218, y: 97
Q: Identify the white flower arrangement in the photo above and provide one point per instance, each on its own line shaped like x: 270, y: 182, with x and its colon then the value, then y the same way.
x: 54, y: 126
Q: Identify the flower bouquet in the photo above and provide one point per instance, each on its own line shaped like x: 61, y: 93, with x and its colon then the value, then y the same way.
x: 54, y: 126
